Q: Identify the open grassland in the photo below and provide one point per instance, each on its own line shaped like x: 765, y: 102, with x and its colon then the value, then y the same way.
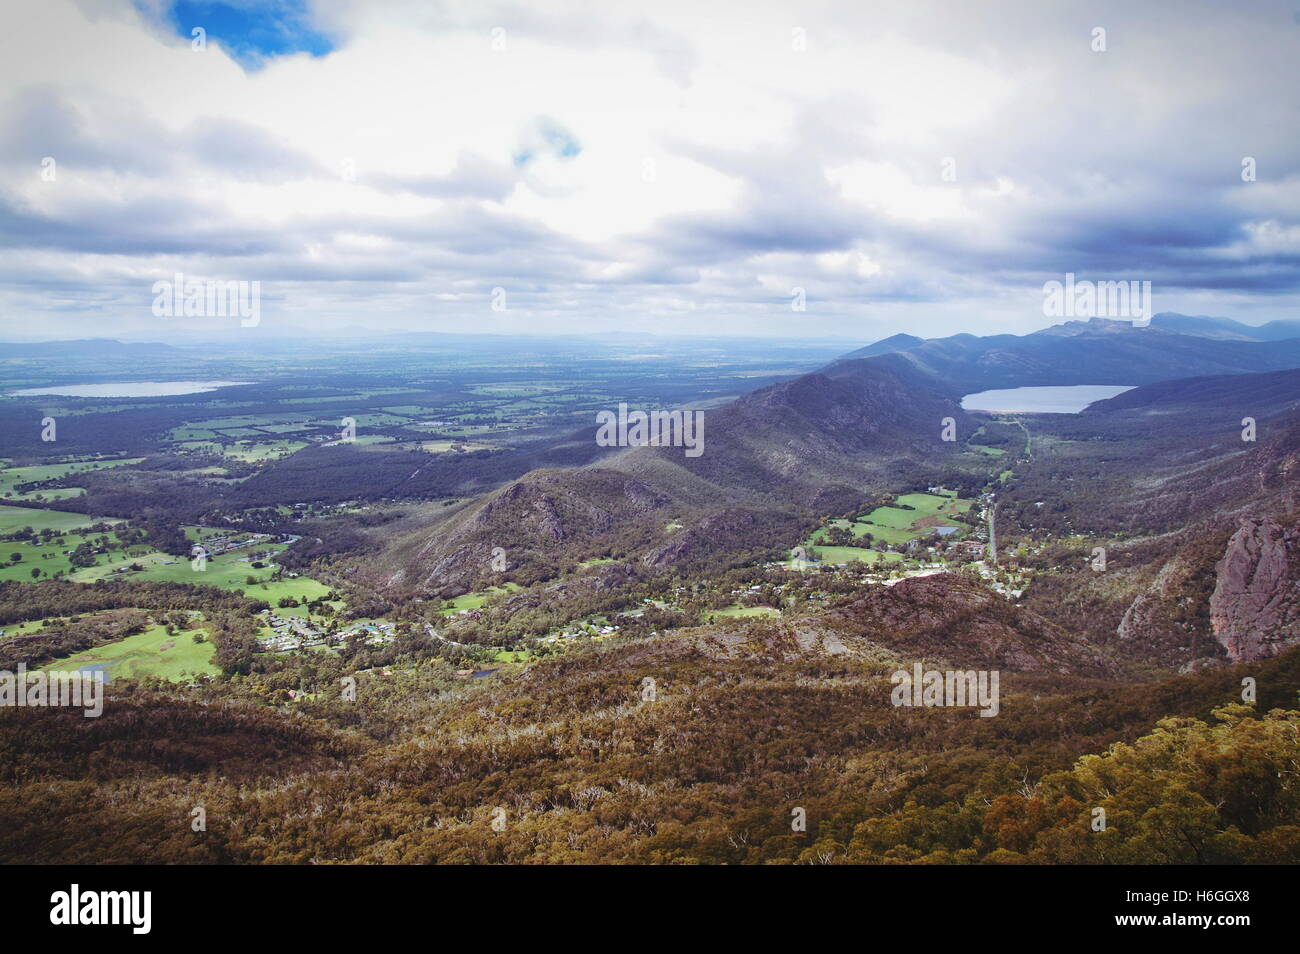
x: 909, y: 517
x: 306, y: 593
x: 741, y: 612
x: 16, y: 518
x: 249, y: 452
x: 475, y: 600
x: 30, y: 626
x: 47, y: 496
x: 10, y: 477
x: 300, y: 588
x: 51, y: 557
x: 153, y: 652
x: 443, y: 447
x: 512, y: 656
x: 852, y: 555
x: 227, y: 571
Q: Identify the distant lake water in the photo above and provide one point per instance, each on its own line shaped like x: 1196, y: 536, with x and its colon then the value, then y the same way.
x: 130, y: 389
x: 1067, y: 399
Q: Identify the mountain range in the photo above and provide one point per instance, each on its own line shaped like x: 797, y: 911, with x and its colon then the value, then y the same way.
x: 1163, y: 464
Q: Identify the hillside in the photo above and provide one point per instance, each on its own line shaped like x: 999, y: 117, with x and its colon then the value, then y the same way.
x: 576, y: 760
x: 1092, y: 352
x: 823, y: 441
x: 1194, y: 519
x: 1226, y: 328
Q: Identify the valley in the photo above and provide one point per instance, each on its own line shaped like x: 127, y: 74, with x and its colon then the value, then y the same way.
x: 488, y: 576
x: 676, y: 434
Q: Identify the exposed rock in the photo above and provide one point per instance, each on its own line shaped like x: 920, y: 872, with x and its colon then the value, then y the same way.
x: 1201, y: 665
x: 1255, y: 609
x: 716, y: 530
x: 1152, y: 618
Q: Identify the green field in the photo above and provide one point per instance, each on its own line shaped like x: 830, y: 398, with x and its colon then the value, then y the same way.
x: 151, y: 653
x: 166, y: 568
x: 300, y: 588
x: 107, y: 563
x: 741, y: 612
x: 49, y: 557
x: 230, y: 573
x: 46, y: 496
x: 11, y: 476
x: 475, y: 600
x: 853, y: 554
x: 896, y: 524
x: 512, y: 656
x: 255, y: 452
x: 31, y: 626
x: 379, y: 419
x: 16, y: 518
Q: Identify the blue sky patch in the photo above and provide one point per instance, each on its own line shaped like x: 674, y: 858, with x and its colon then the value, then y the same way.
x: 546, y: 136
x: 252, y: 32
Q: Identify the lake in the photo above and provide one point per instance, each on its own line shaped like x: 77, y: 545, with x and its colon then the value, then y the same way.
x: 129, y: 389
x: 1064, y: 399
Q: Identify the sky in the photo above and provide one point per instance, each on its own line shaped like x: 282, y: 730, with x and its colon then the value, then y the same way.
x: 845, y: 170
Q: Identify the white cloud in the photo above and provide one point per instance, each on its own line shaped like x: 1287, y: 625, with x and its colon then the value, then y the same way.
x: 716, y: 164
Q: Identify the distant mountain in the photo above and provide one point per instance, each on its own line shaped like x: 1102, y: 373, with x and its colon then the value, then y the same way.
x: 84, y: 347
x: 1204, y: 326
x: 1225, y: 328
x: 898, y: 342
x: 1278, y: 330
x: 1098, y: 351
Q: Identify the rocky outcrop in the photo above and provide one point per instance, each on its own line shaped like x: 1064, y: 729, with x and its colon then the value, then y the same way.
x: 1255, y: 609
x: 714, y: 531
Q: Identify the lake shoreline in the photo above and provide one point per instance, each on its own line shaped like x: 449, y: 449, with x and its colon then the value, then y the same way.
x: 1050, y: 399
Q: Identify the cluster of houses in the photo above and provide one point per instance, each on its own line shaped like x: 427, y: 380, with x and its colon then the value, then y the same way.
x: 297, y: 632
x: 222, y: 544
x: 584, y: 631
x: 1009, y: 583
x: 970, y: 548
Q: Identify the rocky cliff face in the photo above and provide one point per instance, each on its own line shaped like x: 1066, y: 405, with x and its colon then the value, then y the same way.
x: 1255, y: 609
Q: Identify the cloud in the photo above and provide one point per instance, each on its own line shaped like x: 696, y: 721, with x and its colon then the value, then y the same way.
x: 918, y: 166
x: 473, y: 177
x: 545, y: 137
